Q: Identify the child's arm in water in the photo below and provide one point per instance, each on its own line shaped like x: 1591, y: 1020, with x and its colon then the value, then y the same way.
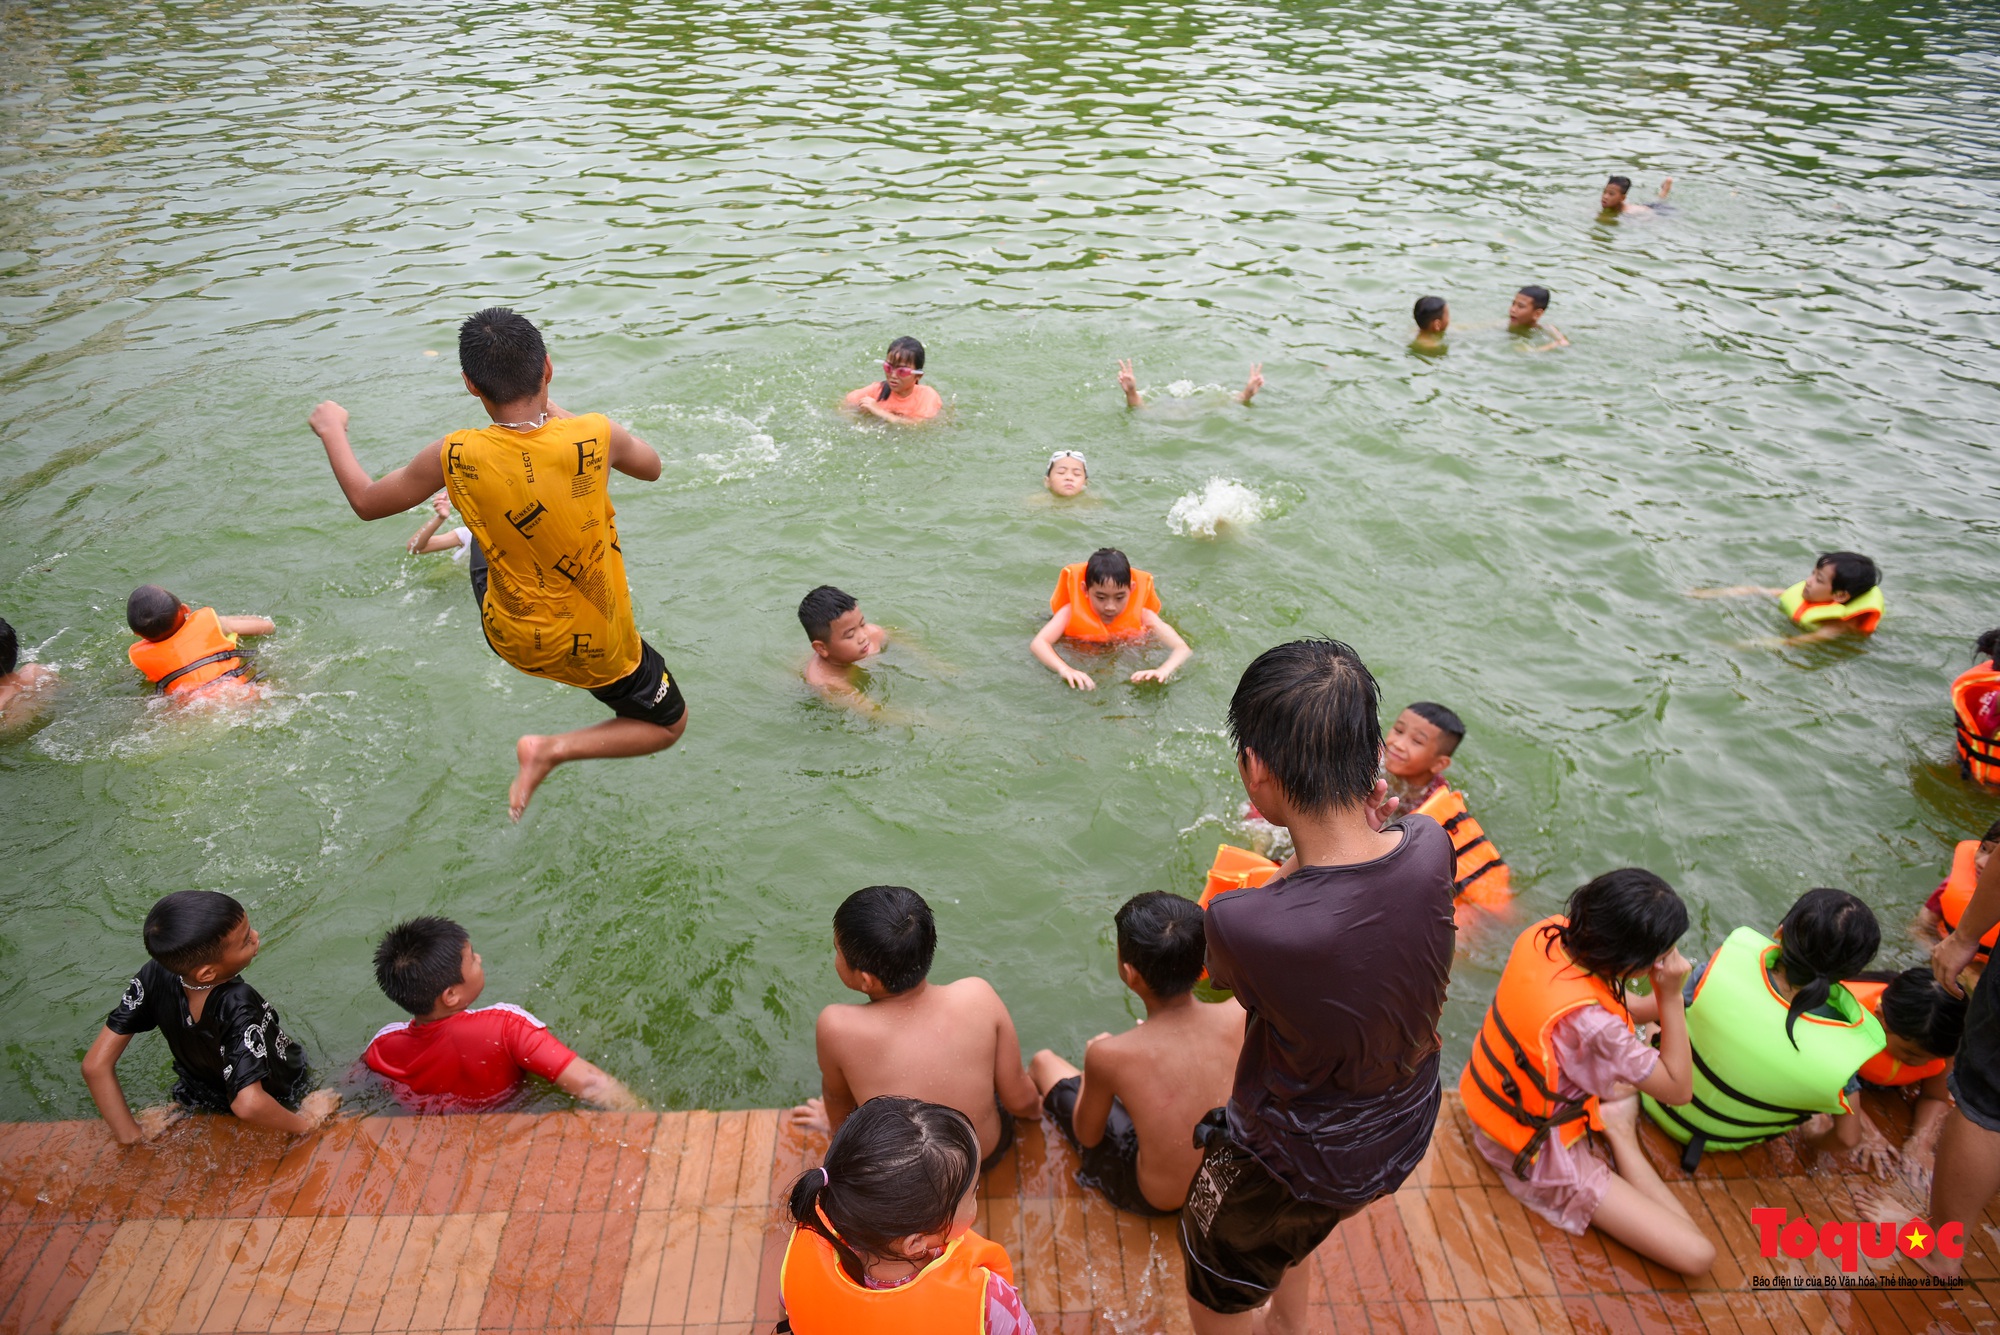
x: 247, y: 625
x: 1556, y: 339
x: 1178, y: 651
x: 1130, y: 384
x: 258, y: 1108
x: 425, y: 539
x: 1253, y: 384
x: 369, y: 497
x: 1043, y: 647
x: 597, y: 1087
x: 1737, y: 591
x: 100, y: 1073
x: 1010, y: 1079
x: 1094, y: 1095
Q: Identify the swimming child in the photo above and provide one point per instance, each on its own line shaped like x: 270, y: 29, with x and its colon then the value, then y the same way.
x: 1843, y: 592
x: 1067, y: 474
x: 1133, y: 1108
x: 950, y: 1043
x: 534, y: 487
x: 1524, y: 316
x: 1777, y: 1038
x: 1099, y: 601
x: 452, y: 1058
x: 1129, y: 382
x: 1613, y: 199
x: 897, y: 397
x: 1975, y: 700
x: 1433, y: 318
x: 459, y: 541
x: 841, y: 638
x: 1941, y: 912
x: 1921, y: 1026
x: 882, y: 1236
x: 179, y: 650
x: 1557, y: 1054
x: 18, y: 681
x: 230, y: 1052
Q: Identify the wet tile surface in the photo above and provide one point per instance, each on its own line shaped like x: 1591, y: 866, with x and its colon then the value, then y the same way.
x: 616, y: 1224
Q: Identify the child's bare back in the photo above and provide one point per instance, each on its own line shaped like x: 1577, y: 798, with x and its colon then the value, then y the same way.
x: 1168, y: 1072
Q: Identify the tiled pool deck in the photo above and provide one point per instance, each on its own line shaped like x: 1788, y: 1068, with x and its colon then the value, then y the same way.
x: 665, y: 1222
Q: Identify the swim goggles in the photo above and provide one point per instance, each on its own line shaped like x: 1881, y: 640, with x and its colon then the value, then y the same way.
x: 898, y: 372
x: 1061, y: 455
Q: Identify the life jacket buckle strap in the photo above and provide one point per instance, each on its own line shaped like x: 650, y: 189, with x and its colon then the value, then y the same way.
x: 205, y: 661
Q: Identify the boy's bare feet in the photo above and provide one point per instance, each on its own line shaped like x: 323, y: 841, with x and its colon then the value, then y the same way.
x: 537, y: 755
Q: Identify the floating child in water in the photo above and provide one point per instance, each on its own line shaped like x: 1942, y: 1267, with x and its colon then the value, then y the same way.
x: 1940, y: 914
x: 1068, y: 474
x: 1433, y: 318
x: 1921, y: 1025
x: 1129, y: 382
x: 459, y: 541
x: 534, y: 486
x: 181, y: 651
x: 897, y: 397
x: 231, y: 1054
x: 1613, y: 199
x: 1843, y: 593
x: 1524, y: 317
x: 842, y: 638
x: 1975, y: 700
x: 1103, y: 600
x: 18, y: 681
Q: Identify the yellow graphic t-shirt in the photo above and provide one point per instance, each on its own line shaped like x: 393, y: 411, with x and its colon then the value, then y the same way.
x: 538, y: 501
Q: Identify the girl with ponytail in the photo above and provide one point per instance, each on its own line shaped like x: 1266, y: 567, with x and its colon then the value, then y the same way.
x: 883, y: 1238
x: 1828, y: 935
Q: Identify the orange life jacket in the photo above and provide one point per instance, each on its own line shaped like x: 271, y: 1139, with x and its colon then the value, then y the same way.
x: 1479, y: 876
x: 1978, y: 752
x: 1235, y: 869
x: 1958, y: 888
x: 1071, y: 592
x: 1509, y: 1085
x: 1883, y: 1069
x: 195, y: 655
x: 948, y: 1297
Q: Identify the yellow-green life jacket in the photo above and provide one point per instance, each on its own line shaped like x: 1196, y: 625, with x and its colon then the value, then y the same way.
x: 1865, y: 611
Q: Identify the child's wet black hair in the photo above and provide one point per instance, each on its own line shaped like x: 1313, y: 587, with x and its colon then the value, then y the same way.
x: 905, y: 351
x: 896, y: 1167
x: 1444, y: 720
x: 887, y: 930
x: 502, y: 354
x: 1619, y: 924
x: 1917, y: 1010
x: 1624, y: 183
x: 150, y: 612
x: 1163, y: 937
x: 10, y: 648
x: 417, y: 960
x: 1853, y: 573
x: 186, y: 929
x: 1538, y: 295
x: 1426, y: 310
x: 818, y: 609
x: 1107, y: 565
x: 1992, y: 835
x: 1988, y: 645
x: 1828, y: 935
x: 1308, y: 710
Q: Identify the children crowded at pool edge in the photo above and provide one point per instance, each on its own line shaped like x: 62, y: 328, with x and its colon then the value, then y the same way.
x: 548, y: 572
x: 949, y: 1043
x: 1128, y: 382
x: 1101, y: 601
x: 230, y: 1052
x: 180, y: 650
x: 897, y: 396
x: 841, y: 638
x: 1843, y: 592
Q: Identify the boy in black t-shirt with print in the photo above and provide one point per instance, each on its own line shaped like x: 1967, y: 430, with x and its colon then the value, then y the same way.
x: 230, y: 1053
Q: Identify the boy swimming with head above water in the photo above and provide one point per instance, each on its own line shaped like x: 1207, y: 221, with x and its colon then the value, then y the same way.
x: 1104, y: 600
x: 897, y: 396
x: 949, y: 1043
x: 181, y: 650
x: 534, y: 487
x: 1524, y: 316
x: 1067, y: 474
x: 1842, y: 593
x: 842, y: 638
x: 230, y: 1052
x: 1128, y: 381
x: 1433, y: 318
x: 1613, y: 198
x: 1418, y: 750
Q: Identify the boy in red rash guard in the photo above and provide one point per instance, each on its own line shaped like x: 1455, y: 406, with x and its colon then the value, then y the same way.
x: 455, y: 1059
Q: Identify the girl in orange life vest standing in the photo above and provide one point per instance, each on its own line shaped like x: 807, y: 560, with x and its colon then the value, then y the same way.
x: 180, y: 650
x: 1557, y: 1053
x: 1975, y: 700
x: 1104, y: 600
x: 1921, y: 1026
x: 883, y: 1238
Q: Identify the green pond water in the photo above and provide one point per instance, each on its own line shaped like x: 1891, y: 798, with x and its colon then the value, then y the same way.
x: 212, y: 215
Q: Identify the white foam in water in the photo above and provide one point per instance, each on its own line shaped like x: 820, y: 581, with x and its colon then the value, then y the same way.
x: 1222, y: 501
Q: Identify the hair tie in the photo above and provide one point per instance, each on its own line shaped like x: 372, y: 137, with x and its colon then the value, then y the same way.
x: 825, y: 1178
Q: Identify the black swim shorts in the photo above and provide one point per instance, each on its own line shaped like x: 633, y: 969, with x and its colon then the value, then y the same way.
x: 1242, y: 1228
x: 1006, y: 1142
x: 1975, y: 1077
x: 646, y: 693
x: 1111, y: 1166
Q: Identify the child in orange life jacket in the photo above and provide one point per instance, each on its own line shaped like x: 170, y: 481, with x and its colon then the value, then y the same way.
x: 18, y: 680
x: 1941, y: 911
x: 1563, y: 1022
x: 1842, y: 593
x: 882, y: 1236
x: 1975, y: 701
x: 842, y: 638
x: 180, y: 650
x: 1921, y: 1025
x: 897, y: 397
x: 1102, y: 600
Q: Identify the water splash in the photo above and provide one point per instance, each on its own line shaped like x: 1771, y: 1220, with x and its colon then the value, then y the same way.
x: 1222, y: 501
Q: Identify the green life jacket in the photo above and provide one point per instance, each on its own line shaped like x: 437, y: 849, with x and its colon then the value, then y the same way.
x: 1865, y: 610
x: 1750, y: 1083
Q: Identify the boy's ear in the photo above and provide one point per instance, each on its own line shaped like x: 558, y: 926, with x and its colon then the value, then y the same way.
x: 819, y: 647
x: 1129, y: 976
x: 1839, y: 597
x: 548, y: 370
x: 1442, y: 764
x: 469, y: 388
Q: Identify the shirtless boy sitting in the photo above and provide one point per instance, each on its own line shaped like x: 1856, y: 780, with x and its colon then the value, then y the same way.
x: 841, y: 639
x: 949, y: 1043
x: 1133, y: 1108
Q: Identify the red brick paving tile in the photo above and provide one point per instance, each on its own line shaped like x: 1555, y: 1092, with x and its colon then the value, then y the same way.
x: 725, y: 1160
x: 180, y: 1264
x: 310, y: 1271
x: 419, y: 1153
x: 746, y: 1252
x: 272, y: 1193
x: 328, y: 1151
x: 60, y: 1273
x: 690, y: 1185
x: 543, y: 1148
x: 1420, y: 1318
x: 274, y: 1276
x: 769, y: 1261
x: 121, y: 1261
x: 490, y: 1135
x: 1434, y: 1262
x: 1384, y: 1225
x: 460, y: 1141
x: 678, y: 1249
x: 398, y: 1308
x: 608, y: 1238
x: 206, y: 1279
x: 565, y: 1177
x: 496, y: 1184
x: 20, y: 1247
x: 512, y: 1278
x: 93, y: 1151
x: 663, y: 1158
x: 375, y: 1272
x: 261, y: 1236
x: 21, y: 1160
x: 632, y: 1166
x: 370, y: 1175
x: 429, y: 1300
x: 343, y: 1271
